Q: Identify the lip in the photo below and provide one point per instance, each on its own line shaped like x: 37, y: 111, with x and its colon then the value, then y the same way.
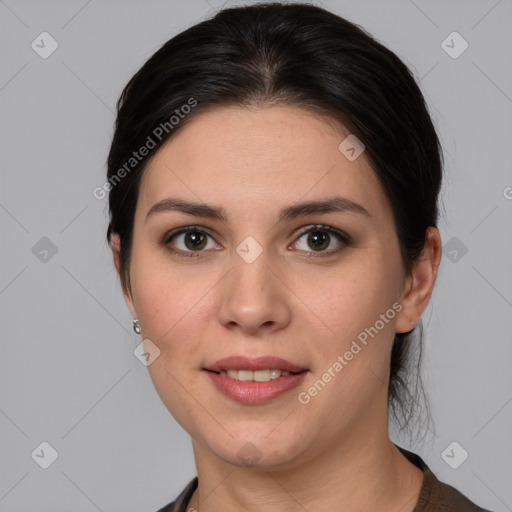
x: 255, y: 393
x: 253, y: 364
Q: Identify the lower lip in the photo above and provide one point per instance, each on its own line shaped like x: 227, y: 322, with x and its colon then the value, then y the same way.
x: 253, y: 393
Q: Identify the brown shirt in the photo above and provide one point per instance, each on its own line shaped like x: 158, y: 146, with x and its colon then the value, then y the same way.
x: 435, y: 496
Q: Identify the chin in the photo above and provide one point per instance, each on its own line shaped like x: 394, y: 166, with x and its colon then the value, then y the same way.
x: 258, y: 452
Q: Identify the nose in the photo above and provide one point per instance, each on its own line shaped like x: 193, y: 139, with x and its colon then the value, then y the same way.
x: 254, y: 297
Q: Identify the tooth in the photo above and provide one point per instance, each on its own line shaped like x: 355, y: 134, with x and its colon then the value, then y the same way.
x: 245, y: 375
x: 262, y: 375
x: 255, y: 376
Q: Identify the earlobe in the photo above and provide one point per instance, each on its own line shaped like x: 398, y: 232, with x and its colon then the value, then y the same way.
x: 116, y: 254
x: 420, y: 283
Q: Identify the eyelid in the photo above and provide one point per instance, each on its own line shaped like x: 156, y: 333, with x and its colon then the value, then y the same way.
x: 325, y: 227
x: 184, y: 229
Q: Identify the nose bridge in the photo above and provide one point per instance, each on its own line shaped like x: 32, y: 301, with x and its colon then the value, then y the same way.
x: 251, y: 277
x: 251, y: 295
x: 251, y: 257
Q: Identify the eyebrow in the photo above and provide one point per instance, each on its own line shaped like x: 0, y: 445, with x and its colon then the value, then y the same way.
x: 331, y: 205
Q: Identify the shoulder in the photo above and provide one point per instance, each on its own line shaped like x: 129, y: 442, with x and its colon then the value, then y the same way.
x: 180, y: 503
x: 436, y: 496
x: 448, y: 499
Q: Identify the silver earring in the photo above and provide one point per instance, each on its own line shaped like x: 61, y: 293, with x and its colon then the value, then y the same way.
x: 136, y: 326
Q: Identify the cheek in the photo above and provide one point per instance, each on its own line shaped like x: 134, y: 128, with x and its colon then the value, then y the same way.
x: 357, y: 308
x: 170, y: 299
x: 352, y: 371
x: 351, y: 298
x: 178, y: 394
x: 172, y: 311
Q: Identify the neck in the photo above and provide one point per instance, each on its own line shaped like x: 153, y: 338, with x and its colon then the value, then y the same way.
x: 363, y: 471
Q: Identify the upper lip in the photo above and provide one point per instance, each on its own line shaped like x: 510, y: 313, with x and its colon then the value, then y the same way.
x: 253, y: 364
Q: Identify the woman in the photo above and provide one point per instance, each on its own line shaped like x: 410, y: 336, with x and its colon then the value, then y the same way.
x: 273, y: 183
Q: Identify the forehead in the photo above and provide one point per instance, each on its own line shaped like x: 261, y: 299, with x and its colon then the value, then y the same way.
x: 269, y: 155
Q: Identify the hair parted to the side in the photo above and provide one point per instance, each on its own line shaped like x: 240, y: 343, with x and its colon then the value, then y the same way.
x: 300, y: 55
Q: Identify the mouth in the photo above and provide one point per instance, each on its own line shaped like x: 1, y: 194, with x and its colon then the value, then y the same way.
x: 258, y: 369
x: 254, y: 381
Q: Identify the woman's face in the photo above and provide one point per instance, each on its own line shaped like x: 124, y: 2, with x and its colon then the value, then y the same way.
x: 263, y: 283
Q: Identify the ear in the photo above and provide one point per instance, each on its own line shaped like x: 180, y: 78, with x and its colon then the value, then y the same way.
x: 420, y: 283
x: 116, y: 253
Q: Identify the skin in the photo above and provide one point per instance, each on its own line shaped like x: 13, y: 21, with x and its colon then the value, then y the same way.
x: 291, y: 302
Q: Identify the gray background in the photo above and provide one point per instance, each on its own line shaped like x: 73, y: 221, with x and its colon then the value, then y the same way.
x: 68, y: 375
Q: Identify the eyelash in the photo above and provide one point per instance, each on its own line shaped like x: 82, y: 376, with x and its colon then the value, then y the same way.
x: 342, y: 237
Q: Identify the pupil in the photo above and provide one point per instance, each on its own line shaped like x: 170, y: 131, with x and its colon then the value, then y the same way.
x: 319, y: 236
x: 196, y: 239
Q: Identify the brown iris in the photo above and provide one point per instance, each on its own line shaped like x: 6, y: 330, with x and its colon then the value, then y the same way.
x: 197, y: 240
x: 319, y: 239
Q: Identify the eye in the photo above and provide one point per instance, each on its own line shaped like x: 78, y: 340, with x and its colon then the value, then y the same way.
x: 192, y: 239
x: 320, y: 238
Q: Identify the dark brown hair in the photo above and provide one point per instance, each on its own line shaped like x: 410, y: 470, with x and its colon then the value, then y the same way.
x: 295, y: 54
